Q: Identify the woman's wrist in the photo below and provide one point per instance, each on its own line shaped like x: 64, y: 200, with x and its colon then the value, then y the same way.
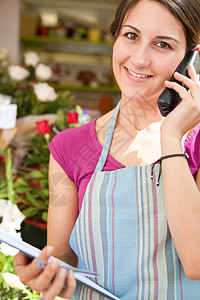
x: 170, y: 132
x: 170, y: 144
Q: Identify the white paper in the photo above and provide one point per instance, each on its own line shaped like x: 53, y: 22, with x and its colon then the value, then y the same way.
x: 33, y: 252
x: 8, y: 115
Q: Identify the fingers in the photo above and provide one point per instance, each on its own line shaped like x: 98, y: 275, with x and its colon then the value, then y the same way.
x: 188, y: 82
x: 20, y: 259
x: 26, y: 271
x: 191, y: 83
x: 45, y: 278
x: 52, y: 281
x: 178, y: 88
x: 71, y: 285
x: 192, y: 74
x: 64, y: 285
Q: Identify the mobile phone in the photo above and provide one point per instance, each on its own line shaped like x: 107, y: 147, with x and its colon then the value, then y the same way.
x: 169, y: 98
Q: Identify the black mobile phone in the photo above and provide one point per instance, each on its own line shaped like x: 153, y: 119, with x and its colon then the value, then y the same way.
x: 169, y: 98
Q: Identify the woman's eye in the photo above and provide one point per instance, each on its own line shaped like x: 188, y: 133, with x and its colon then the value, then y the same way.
x: 131, y: 36
x: 164, y: 45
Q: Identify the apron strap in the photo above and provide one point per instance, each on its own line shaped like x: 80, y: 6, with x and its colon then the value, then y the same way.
x: 106, y: 147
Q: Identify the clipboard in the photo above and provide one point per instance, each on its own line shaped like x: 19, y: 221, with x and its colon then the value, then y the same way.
x: 33, y: 252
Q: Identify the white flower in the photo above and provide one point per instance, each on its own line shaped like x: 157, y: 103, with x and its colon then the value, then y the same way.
x: 11, y: 214
x: 31, y: 58
x: 18, y: 73
x: 3, y: 205
x: 13, y: 281
x: 11, y: 221
x: 3, y: 53
x: 43, y: 72
x: 5, y: 99
x: 44, y: 92
x: 83, y: 119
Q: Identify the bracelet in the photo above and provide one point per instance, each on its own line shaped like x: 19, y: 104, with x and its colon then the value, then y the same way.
x: 160, y: 162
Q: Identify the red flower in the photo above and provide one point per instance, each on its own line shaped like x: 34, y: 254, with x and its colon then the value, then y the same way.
x: 2, y: 159
x: 43, y: 127
x: 72, y: 117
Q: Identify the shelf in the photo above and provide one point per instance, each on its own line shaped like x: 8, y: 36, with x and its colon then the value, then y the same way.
x: 85, y: 88
x: 67, y: 44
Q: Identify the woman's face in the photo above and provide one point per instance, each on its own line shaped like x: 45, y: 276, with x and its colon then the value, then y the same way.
x: 149, y: 47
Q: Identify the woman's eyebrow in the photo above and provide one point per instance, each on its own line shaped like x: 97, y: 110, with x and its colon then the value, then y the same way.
x: 167, y: 38
x: 163, y: 37
x: 132, y: 27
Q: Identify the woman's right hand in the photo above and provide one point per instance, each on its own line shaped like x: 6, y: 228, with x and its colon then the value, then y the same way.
x: 51, y: 282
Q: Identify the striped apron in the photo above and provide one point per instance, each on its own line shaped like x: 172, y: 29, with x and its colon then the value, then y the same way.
x: 122, y: 234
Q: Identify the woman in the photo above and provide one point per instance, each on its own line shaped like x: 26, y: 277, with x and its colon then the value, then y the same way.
x: 106, y: 214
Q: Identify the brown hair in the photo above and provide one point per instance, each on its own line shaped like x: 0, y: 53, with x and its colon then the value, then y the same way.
x: 186, y: 11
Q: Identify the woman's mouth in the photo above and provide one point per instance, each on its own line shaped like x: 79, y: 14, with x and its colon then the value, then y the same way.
x: 138, y: 75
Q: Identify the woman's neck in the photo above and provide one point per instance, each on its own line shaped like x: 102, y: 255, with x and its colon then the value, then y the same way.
x: 138, y: 114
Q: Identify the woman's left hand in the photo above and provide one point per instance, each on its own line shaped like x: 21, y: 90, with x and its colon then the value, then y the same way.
x: 187, y: 114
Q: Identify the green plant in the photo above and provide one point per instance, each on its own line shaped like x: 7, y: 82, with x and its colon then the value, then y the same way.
x: 6, y: 292
x: 27, y: 87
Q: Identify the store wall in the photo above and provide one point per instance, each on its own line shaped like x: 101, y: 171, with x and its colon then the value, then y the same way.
x: 10, y: 27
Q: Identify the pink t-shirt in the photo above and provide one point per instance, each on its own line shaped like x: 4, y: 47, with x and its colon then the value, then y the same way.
x: 77, y: 151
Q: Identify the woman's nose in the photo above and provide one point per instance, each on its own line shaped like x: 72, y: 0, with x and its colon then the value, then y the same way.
x: 141, y: 57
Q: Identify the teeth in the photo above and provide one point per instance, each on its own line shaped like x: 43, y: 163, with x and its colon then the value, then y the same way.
x: 138, y: 75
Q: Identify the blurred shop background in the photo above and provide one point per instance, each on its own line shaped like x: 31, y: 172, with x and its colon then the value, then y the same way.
x: 72, y: 37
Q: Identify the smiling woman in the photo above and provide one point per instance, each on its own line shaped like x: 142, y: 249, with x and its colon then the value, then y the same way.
x: 149, y: 54
x: 142, y: 239
x: 186, y: 12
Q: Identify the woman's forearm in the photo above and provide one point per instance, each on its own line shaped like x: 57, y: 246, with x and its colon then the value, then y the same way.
x: 182, y: 205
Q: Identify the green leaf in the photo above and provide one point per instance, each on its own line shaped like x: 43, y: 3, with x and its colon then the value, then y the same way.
x: 36, y: 174
x: 45, y: 216
x: 79, y: 110
x: 31, y: 211
x: 31, y: 198
x: 22, y: 190
x: 20, y: 182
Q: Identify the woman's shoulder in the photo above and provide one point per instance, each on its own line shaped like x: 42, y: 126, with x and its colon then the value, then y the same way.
x: 192, y: 148
x: 68, y: 144
x: 71, y: 136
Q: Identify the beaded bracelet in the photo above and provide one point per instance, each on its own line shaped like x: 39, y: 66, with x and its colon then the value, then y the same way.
x: 160, y: 162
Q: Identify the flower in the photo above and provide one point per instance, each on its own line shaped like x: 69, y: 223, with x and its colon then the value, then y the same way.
x: 18, y: 73
x: 1, y: 159
x: 43, y: 72
x: 44, y: 92
x: 5, y: 99
x: 72, y: 117
x: 31, y: 58
x: 12, y: 216
x: 13, y: 281
x: 11, y: 221
x: 43, y: 127
x: 83, y: 119
x: 27, y: 87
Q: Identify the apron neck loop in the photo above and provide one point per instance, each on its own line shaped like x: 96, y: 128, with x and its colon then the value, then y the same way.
x: 106, y: 147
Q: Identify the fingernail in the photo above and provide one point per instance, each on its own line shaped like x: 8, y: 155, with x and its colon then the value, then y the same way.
x: 71, y: 274
x: 62, y: 273
x: 54, y: 265
x: 19, y: 260
x: 49, y: 250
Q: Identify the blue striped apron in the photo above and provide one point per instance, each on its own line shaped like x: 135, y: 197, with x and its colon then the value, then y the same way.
x: 122, y: 234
